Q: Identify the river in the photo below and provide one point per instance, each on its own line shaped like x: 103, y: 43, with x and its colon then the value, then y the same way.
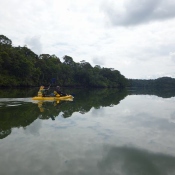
x: 100, y: 132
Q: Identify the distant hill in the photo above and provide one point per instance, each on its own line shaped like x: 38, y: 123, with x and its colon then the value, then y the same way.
x: 163, y: 82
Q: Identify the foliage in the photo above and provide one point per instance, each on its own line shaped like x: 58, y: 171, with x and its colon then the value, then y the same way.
x: 5, y: 41
x: 163, y: 82
x: 22, y: 67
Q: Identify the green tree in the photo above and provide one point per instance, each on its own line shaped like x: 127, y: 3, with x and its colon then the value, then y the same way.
x: 5, y: 41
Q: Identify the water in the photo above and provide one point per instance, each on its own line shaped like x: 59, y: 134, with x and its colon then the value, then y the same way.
x: 100, y: 132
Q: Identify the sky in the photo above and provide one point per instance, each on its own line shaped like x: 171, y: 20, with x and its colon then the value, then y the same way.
x: 135, y: 37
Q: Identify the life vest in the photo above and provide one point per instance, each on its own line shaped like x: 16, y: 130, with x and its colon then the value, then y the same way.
x: 40, y: 92
x: 56, y: 94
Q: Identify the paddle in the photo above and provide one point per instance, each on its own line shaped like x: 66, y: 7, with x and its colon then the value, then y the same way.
x: 53, y: 80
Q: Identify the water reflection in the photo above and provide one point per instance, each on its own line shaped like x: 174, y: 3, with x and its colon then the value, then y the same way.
x: 53, y: 109
x: 21, y: 115
x: 164, y: 93
x: 23, y: 111
x: 99, y: 132
x: 128, y: 160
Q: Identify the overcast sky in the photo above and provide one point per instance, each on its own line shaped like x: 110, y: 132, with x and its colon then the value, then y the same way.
x: 136, y: 37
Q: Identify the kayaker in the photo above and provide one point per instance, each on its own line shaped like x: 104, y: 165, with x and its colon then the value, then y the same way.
x: 58, y: 91
x: 43, y: 91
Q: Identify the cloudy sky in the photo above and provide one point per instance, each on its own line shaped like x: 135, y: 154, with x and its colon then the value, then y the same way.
x: 136, y: 37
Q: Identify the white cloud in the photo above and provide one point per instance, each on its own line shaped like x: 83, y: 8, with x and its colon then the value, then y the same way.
x: 172, y: 56
x: 97, y: 60
x: 34, y: 43
x: 79, y: 29
x: 133, y: 12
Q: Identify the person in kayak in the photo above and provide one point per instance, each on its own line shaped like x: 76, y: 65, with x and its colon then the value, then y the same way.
x: 43, y: 91
x: 58, y: 91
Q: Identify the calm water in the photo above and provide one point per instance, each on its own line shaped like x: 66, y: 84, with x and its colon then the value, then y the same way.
x: 100, y: 132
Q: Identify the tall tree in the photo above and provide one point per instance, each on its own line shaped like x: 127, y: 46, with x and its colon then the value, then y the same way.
x: 5, y: 41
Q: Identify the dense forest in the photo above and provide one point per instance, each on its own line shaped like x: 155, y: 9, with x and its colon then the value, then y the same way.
x: 163, y: 82
x: 21, y: 67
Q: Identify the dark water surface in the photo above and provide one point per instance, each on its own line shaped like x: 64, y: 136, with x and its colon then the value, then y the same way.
x: 100, y: 132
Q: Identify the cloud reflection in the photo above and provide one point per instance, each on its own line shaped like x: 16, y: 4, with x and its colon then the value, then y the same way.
x: 34, y: 128
x: 128, y: 161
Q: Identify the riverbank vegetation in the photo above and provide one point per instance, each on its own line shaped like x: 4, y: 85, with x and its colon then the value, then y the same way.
x: 163, y: 82
x: 21, y: 67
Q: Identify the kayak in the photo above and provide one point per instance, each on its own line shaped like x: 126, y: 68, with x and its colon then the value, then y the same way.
x: 56, y: 98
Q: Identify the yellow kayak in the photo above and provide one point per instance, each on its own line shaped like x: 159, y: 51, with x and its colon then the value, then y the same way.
x: 56, y: 98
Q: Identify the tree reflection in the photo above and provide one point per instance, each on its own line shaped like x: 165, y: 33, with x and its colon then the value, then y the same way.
x: 25, y: 113
x: 52, y: 109
x: 4, y: 133
x: 15, y: 114
x: 162, y: 92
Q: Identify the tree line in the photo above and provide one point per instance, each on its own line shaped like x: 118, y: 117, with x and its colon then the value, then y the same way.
x: 162, y: 82
x: 21, y: 67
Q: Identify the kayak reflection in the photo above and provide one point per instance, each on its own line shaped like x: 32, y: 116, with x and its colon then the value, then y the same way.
x: 21, y: 112
x: 52, y: 109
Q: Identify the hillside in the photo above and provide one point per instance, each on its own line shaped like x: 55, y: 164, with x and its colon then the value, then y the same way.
x: 20, y: 66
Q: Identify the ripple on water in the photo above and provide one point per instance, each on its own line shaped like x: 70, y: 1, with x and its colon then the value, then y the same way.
x: 9, y: 102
